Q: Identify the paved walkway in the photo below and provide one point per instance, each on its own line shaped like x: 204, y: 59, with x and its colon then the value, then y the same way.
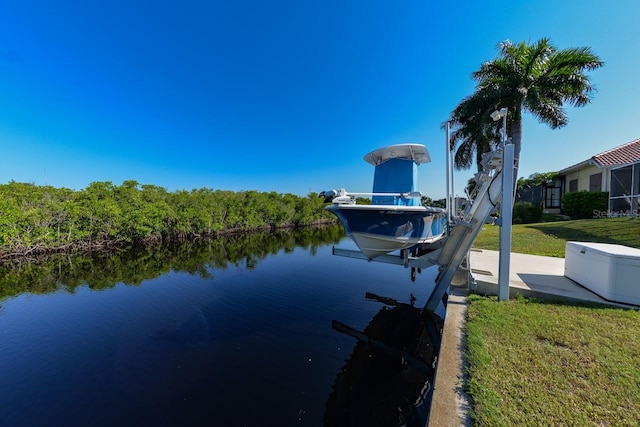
x: 530, y: 275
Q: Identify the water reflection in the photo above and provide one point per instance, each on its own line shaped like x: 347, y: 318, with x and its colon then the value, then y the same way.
x: 387, y: 381
x: 230, y: 332
x: 133, y: 266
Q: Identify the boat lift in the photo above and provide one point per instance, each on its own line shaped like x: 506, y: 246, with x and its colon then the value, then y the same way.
x: 450, y: 252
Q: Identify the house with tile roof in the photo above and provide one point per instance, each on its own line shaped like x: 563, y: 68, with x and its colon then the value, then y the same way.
x: 616, y: 171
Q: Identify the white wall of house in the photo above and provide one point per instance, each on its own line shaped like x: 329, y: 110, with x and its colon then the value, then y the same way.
x: 583, y: 176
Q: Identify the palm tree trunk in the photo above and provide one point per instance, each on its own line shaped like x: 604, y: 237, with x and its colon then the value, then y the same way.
x: 479, y: 154
x: 516, y: 139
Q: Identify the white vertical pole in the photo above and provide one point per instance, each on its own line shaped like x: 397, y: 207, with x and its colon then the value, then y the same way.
x: 454, y: 202
x: 448, y: 163
x: 506, y: 216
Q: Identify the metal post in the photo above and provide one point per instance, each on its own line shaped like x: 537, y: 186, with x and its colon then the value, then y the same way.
x: 454, y: 202
x: 506, y: 218
x: 448, y: 165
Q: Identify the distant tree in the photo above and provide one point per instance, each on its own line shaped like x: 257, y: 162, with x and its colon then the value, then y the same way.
x: 535, y: 179
x: 440, y: 203
x: 426, y: 201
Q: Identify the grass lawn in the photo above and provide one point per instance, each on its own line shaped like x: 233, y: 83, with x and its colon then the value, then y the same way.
x: 540, y: 363
x: 549, y: 238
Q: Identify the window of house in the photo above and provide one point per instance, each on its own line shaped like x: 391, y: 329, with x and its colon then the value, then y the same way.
x: 595, y: 182
x: 573, y: 185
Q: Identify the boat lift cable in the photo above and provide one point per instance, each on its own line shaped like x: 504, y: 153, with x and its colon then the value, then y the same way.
x: 494, y: 204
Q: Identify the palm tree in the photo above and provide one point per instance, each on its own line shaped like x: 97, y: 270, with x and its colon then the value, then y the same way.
x: 536, y: 78
x: 475, y: 135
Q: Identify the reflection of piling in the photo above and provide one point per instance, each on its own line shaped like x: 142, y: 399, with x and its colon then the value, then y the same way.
x: 384, y: 300
x: 387, y: 379
x: 393, y: 352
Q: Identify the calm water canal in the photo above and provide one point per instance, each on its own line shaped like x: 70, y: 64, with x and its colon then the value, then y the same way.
x: 246, y: 331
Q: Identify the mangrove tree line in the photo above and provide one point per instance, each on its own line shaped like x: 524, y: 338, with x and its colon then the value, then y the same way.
x: 41, y: 219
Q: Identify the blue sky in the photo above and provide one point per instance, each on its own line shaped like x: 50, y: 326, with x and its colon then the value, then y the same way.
x: 284, y: 96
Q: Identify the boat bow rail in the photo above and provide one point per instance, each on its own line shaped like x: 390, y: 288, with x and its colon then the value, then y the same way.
x: 343, y: 196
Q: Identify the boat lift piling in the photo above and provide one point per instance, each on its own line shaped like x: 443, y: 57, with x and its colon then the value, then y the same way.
x: 466, y: 229
x: 506, y: 207
x: 449, y: 174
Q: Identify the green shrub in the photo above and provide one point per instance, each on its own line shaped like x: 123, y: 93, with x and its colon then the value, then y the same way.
x: 582, y: 204
x: 526, y: 213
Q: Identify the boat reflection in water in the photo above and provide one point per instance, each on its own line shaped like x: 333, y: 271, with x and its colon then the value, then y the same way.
x: 388, y: 378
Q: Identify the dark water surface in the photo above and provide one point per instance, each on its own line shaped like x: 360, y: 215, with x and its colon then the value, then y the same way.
x: 230, y: 333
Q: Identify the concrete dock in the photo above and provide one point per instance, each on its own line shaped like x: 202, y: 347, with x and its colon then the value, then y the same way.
x: 531, y: 276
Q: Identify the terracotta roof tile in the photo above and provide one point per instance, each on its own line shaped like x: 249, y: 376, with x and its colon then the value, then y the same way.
x: 622, y: 155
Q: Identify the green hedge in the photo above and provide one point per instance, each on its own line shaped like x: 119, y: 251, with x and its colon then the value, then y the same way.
x: 582, y: 204
x: 526, y: 213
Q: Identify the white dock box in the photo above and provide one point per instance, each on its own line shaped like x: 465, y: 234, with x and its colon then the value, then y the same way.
x: 611, y: 271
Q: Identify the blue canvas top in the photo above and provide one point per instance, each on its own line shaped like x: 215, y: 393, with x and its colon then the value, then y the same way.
x: 397, y: 172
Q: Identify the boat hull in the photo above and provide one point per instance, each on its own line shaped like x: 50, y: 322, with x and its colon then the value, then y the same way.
x: 380, y: 229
